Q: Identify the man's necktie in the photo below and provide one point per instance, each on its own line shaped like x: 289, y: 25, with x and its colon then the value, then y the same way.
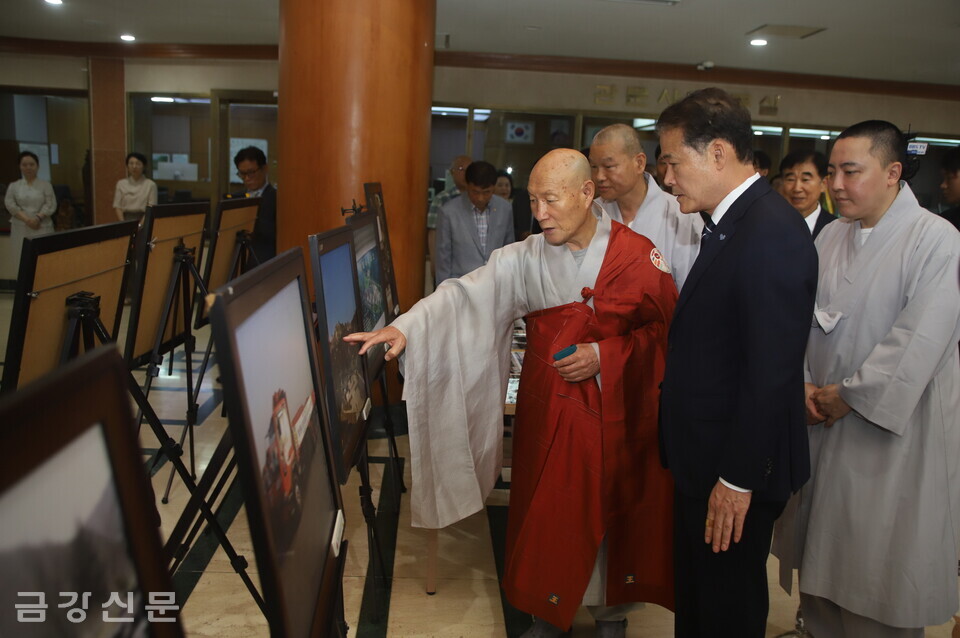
x: 708, y: 227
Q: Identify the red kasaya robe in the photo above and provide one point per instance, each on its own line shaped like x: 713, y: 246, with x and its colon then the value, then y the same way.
x: 586, y: 462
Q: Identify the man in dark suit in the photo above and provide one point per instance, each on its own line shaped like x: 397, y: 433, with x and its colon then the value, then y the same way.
x: 252, y: 168
x: 733, y: 426
x: 804, y: 181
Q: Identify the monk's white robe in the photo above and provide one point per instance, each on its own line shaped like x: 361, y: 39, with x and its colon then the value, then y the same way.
x: 676, y: 235
x: 457, y: 362
x: 879, y: 521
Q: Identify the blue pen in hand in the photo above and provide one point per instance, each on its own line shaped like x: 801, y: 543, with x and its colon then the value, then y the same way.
x: 566, y: 352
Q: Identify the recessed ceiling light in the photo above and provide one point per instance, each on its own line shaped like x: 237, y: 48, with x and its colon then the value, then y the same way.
x: 758, y: 42
x: 126, y: 37
x: 161, y: 99
x: 54, y: 1
x: 824, y: 137
x: 758, y: 132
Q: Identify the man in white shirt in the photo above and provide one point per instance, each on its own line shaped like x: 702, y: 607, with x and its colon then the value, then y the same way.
x: 804, y: 176
x: 732, y: 418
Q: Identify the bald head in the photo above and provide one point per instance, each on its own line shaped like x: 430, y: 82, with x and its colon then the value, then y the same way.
x: 561, y: 198
x: 563, y: 164
x: 621, y: 134
x: 458, y: 168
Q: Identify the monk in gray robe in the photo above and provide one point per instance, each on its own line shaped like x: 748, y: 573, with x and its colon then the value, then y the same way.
x: 878, y: 524
x: 631, y: 196
x: 590, y: 516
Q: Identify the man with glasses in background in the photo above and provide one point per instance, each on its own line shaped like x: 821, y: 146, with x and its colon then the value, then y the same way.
x: 252, y: 168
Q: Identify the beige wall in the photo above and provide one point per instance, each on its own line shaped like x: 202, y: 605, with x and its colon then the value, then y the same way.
x: 43, y: 71
x: 559, y: 92
x: 511, y: 90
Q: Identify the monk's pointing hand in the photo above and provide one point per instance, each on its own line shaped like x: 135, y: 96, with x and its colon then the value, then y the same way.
x: 580, y: 365
x: 389, y: 335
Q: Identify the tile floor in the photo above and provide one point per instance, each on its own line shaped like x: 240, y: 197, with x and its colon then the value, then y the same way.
x: 467, y: 602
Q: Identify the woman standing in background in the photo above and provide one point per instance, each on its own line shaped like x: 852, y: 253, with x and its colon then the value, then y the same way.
x: 30, y: 202
x: 135, y: 191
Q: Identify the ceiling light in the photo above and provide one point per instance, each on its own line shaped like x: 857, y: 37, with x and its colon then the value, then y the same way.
x: 824, y: 137
x: 126, y: 37
x: 509, y: 170
x: 758, y: 42
x: 161, y: 99
x: 758, y: 132
x: 54, y: 1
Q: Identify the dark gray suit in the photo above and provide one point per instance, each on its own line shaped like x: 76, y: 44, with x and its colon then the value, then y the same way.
x: 458, y: 241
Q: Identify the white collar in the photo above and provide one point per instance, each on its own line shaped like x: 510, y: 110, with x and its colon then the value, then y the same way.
x: 731, y: 197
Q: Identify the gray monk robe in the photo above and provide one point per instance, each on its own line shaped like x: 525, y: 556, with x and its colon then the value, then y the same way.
x: 878, y: 524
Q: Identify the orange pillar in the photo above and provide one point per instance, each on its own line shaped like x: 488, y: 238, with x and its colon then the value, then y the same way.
x: 108, y: 133
x: 356, y: 80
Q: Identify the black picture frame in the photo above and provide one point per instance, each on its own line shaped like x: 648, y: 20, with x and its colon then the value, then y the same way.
x: 372, y: 285
x: 53, y: 267
x: 220, y: 261
x: 262, y: 327
x: 78, y: 467
x: 374, y: 196
x: 343, y: 375
x: 164, y: 227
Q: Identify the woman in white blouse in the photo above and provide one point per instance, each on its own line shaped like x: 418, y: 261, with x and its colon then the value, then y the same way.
x: 30, y: 202
x: 135, y: 191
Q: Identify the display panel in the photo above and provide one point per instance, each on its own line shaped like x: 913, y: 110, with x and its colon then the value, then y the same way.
x: 224, y: 260
x: 52, y: 268
x: 373, y: 302
x: 165, y: 227
x: 264, y: 337
x: 79, y: 548
x: 339, y: 313
x: 374, y: 196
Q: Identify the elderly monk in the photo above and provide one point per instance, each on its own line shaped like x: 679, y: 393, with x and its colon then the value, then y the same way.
x: 589, y: 502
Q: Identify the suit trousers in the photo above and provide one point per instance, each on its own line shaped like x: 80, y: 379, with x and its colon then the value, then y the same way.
x: 722, y: 595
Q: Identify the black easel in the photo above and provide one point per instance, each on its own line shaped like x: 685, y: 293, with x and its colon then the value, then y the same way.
x: 374, y: 553
x: 183, y: 269
x: 83, y: 313
x: 243, y: 259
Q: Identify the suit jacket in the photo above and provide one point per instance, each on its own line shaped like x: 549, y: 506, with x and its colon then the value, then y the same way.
x: 264, y: 242
x: 458, y: 241
x: 823, y: 218
x: 732, y: 401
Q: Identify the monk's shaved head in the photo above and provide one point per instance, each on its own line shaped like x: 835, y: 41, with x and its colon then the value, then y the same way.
x: 622, y: 134
x: 561, y: 198
x: 563, y: 164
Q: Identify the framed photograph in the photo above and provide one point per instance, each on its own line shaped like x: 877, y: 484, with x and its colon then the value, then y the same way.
x: 223, y: 260
x: 80, y: 551
x: 52, y: 268
x: 165, y: 227
x: 374, y: 196
x: 373, y: 300
x: 339, y: 313
x: 262, y: 326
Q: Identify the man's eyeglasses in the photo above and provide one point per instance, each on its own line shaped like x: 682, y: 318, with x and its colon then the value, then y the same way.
x: 250, y: 173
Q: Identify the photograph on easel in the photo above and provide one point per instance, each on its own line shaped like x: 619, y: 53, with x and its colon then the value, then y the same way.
x: 54, y: 270
x: 374, y: 196
x: 79, y: 558
x: 339, y: 314
x: 264, y: 335
x: 370, y: 280
x: 171, y: 236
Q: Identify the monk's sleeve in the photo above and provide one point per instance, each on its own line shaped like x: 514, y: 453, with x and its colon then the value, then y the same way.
x: 455, y: 369
x: 889, y: 385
